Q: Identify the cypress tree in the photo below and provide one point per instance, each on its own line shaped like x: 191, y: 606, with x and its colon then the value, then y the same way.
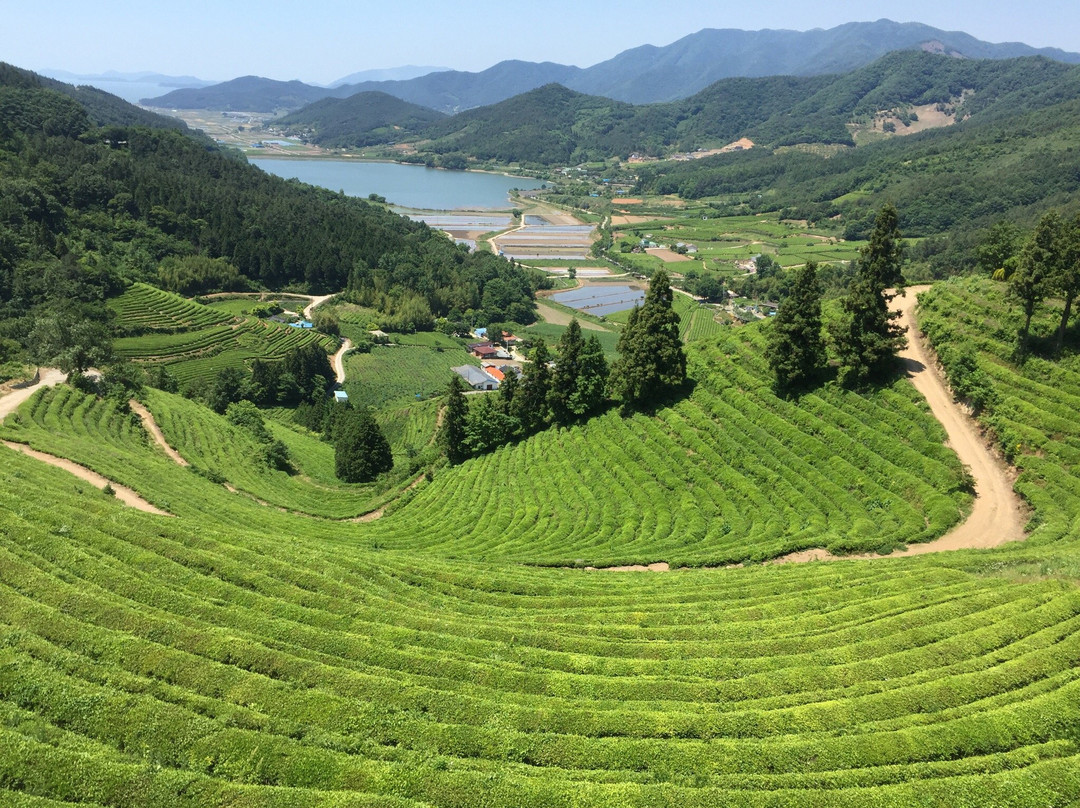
x: 651, y: 361
x: 530, y: 405
x: 452, y: 433
x: 866, y: 335
x: 564, y: 380
x: 361, y: 451
x: 796, y: 350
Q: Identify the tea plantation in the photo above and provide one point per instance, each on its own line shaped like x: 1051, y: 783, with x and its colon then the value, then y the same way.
x: 448, y: 654
x: 194, y: 341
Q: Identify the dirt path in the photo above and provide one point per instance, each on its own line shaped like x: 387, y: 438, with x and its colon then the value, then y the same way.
x: 11, y: 401
x: 152, y: 427
x: 339, y: 361
x: 123, y: 493
x: 315, y: 302
x: 996, y: 515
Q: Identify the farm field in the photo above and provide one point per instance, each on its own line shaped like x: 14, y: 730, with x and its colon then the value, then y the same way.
x: 723, y: 241
x: 397, y: 375
x: 455, y: 653
x: 195, y: 341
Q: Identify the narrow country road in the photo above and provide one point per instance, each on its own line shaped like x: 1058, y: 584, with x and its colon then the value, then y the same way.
x: 339, y: 361
x: 47, y: 378
x: 996, y: 515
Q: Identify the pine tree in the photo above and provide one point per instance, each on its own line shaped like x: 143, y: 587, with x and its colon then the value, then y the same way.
x: 361, y: 451
x: 591, y: 392
x: 866, y: 336
x: 564, y: 380
x: 531, y: 401
x: 452, y: 436
x: 580, y: 377
x: 651, y: 361
x: 796, y: 349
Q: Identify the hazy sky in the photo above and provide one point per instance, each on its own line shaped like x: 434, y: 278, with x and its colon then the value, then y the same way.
x: 323, y: 40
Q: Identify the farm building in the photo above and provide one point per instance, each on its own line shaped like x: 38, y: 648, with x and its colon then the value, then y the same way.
x: 302, y: 324
x: 477, y: 378
x: 340, y: 396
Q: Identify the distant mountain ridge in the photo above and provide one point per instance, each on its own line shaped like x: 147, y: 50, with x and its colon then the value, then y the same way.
x: 647, y: 74
x: 553, y: 125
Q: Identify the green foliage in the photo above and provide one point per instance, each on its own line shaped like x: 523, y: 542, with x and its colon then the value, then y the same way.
x: 651, y: 363
x: 865, y: 336
x: 361, y: 452
x: 580, y: 377
x: 362, y: 119
x: 796, y: 350
x: 192, y: 275
x: 453, y: 434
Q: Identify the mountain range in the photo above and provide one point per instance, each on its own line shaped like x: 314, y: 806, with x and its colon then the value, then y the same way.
x: 642, y: 75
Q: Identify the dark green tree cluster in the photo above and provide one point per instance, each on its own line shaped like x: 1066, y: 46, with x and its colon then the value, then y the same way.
x: 272, y: 453
x: 1047, y: 265
x: 866, y: 336
x: 559, y: 390
x: 796, y: 348
x: 652, y: 362
x: 361, y: 451
x: 303, y: 375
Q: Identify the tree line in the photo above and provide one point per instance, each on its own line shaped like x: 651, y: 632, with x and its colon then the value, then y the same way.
x: 573, y: 384
x: 865, y: 336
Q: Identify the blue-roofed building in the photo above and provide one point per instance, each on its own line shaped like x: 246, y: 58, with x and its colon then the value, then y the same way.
x: 302, y: 324
x: 341, y: 396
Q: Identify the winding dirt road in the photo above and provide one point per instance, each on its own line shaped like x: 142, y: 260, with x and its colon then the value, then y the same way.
x: 151, y: 426
x: 338, y: 361
x: 48, y: 378
x: 996, y: 515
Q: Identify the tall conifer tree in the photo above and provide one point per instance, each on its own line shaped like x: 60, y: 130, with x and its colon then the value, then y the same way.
x: 651, y: 361
x: 796, y: 349
x: 867, y: 336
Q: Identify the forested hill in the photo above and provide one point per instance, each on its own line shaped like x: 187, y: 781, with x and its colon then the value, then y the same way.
x: 363, y: 119
x: 99, y: 207
x: 557, y: 125
x: 101, y: 108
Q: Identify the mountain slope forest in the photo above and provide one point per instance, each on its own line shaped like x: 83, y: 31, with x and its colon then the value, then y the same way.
x: 86, y: 209
x: 363, y: 119
x: 643, y: 75
x: 555, y: 125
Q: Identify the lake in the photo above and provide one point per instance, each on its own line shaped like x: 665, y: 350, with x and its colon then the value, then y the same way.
x: 404, y: 186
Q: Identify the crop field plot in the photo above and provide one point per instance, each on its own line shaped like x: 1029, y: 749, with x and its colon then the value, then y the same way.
x: 195, y: 341
x: 730, y: 474
x: 1031, y: 410
x: 236, y: 654
x: 601, y: 300
x: 396, y: 375
x: 539, y: 239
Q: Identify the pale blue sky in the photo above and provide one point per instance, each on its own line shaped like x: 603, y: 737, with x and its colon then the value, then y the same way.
x: 322, y: 40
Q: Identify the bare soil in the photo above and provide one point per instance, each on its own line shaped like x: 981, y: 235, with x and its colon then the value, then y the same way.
x: 126, y: 495
x: 152, y: 427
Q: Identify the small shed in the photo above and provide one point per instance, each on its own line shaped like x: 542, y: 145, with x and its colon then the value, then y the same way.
x: 340, y: 396
x: 302, y: 324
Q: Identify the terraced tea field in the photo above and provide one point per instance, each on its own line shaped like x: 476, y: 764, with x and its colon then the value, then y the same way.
x: 196, y: 341
x: 238, y: 655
